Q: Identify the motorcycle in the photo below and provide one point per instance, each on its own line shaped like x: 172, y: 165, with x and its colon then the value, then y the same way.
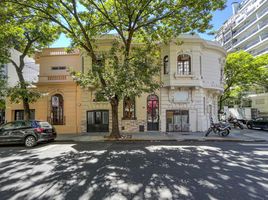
x: 222, y: 129
x: 235, y: 122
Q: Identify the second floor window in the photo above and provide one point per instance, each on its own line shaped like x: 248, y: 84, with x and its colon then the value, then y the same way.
x: 165, y: 62
x: 184, y: 64
x: 129, y: 108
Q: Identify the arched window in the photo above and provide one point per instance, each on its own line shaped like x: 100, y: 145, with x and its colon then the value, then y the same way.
x: 57, y: 110
x: 165, y: 62
x: 129, y: 108
x: 184, y: 64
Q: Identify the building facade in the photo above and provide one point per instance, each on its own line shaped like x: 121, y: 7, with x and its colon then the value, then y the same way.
x: 192, y: 77
x: 247, y: 28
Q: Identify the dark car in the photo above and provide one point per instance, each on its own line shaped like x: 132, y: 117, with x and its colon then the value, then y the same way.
x: 27, y: 132
x: 260, y: 122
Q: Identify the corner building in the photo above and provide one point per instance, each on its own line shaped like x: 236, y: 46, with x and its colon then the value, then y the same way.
x: 191, y: 73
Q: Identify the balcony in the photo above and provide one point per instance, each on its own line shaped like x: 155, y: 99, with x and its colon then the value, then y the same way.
x: 256, y: 41
x: 264, y: 23
x: 263, y: 12
x: 249, y: 23
x: 264, y: 36
x: 260, y: 52
x: 55, y: 78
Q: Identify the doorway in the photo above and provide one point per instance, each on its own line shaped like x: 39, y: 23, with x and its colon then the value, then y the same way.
x: 177, y: 120
x: 152, y: 113
x: 98, y: 121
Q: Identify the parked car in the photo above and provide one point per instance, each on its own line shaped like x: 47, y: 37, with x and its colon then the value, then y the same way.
x: 27, y: 132
x: 260, y: 122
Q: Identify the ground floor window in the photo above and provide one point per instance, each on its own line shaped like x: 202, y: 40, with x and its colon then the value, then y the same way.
x: 177, y: 120
x: 98, y: 121
x: 19, y: 115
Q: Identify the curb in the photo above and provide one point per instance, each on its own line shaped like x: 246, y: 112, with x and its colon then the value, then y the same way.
x: 165, y: 140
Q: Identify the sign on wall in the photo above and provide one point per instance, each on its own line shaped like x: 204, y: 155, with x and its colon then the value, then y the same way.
x: 181, y: 96
x: 55, y: 101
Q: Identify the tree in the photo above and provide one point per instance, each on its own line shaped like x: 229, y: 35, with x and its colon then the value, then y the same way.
x: 20, y: 29
x: 242, y: 72
x: 146, y: 21
x: 3, y: 87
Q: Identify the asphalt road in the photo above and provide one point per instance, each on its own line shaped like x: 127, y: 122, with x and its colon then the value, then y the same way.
x: 135, y: 170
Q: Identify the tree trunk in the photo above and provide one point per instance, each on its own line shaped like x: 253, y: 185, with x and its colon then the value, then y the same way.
x: 25, y: 100
x: 26, y: 108
x: 115, y: 125
x: 220, y: 104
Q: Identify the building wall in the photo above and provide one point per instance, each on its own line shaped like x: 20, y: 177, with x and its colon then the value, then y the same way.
x: 203, y: 85
x: 260, y: 101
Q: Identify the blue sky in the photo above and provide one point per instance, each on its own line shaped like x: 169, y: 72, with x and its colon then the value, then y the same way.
x: 219, y: 17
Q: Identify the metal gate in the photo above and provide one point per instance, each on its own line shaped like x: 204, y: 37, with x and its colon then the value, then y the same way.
x: 98, y: 121
x: 177, y: 120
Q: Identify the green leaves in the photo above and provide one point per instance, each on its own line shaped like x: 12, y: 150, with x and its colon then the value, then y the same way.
x: 3, y: 87
x: 243, y: 74
x: 24, y: 91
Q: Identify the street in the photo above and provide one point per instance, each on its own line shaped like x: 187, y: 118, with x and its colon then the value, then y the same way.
x: 135, y: 170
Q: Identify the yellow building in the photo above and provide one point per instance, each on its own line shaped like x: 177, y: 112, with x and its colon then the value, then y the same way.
x: 192, y: 78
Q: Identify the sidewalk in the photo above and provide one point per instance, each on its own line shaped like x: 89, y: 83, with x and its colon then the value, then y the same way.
x: 236, y: 135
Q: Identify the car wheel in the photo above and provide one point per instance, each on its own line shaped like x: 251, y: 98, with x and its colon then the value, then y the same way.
x: 30, y: 141
x: 249, y: 126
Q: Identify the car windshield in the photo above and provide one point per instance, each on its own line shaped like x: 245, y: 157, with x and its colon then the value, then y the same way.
x: 45, y: 125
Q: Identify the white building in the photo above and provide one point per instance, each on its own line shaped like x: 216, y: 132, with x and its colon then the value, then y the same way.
x: 30, y: 71
x: 192, y: 82
x: 260, y: 102
x: 247, y: 29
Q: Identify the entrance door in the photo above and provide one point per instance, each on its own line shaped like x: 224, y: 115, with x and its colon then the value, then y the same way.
x: 177, y: 120
x: 98, y: 121
x: 152, y: 113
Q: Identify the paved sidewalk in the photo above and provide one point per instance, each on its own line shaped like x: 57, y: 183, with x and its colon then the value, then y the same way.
x: 236, y: 135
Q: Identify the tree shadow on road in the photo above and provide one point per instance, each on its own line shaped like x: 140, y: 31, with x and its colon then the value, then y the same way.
x: 154, y: 171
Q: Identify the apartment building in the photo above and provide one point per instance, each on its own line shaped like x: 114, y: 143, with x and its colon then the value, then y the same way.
x: 247, y: 28
x: 192, y: 77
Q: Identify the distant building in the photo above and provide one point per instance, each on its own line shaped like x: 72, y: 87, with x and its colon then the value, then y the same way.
x: 247, y: 28
x: 30, y: 71
x: 260, y: 102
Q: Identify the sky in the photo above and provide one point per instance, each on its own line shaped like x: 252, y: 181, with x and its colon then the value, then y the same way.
x: 219, y: 17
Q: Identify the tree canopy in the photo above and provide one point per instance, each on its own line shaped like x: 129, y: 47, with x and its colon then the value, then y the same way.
x: 21, y: 29
x: 133, y: 21
x: 244, y: 73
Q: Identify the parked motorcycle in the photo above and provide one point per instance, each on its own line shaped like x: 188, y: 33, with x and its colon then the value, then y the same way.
x: 222, y: 129
x: 235, y: 122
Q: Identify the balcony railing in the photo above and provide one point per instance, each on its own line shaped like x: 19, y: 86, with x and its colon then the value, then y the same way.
x: 246, y: 36
x: 260, y: 52
x: 251, y: 44
x: 245, y: 26
x: 263, y: 37
x: 264, y: 23
x: 260, y: 14
x: 61, y: 121
x: 183, y: 73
